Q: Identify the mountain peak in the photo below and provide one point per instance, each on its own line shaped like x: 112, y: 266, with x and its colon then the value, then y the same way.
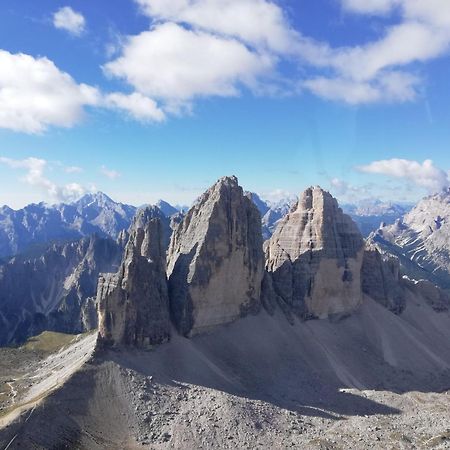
x: 167, y: 209
x: 216, y: 254
x: 228, y: 180
x: 312, y: 245
x: 98, y: 198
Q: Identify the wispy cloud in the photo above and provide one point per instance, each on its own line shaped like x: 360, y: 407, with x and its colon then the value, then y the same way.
x: 35, y: 176
x: 109, y: 173
x: 72, y: 169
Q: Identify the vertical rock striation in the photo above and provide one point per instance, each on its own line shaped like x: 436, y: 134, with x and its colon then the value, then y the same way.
x: 381, y: 279
x: 133, y: 304
x: 314, y: 259
x: 215, y: 260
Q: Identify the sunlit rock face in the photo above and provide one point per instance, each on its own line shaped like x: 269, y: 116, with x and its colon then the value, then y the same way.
x: 133, y: 304
x: 421, y: 240
x: 215, y: 260
x: 314, y: 258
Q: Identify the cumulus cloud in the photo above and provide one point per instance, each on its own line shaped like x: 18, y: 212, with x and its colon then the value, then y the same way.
x: 137, y: 106
x: 69, y: 20
x: 35, y: 94
x: 258, y: 23
x: 202, y: 48
x: 374, y: 72
x: 175, y: 64
x: 109, y: 173
x: 35, y: 176
x: 425, y: 175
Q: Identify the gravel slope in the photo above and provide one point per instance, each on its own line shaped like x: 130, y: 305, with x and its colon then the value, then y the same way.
x: 374, y: 380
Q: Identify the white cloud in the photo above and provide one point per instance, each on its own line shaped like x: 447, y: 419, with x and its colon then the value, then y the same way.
x: 277, y: 196
x: 35, y: 94
x: 425, y: 175
x: 259, y: 23
x: 370, y: 6
x: 109, y: 173
x: 68, y: 19
x: 35, y: 176
x: 73, y: 169
x: 401, y: 45
x: 390, y: 86
x: 379, y: 70
x: 434, y: 12
x: 345, y: 189
x: 138, y: 106
x: 176, y: 65
x: 340, y: 187
x: 373, y: 72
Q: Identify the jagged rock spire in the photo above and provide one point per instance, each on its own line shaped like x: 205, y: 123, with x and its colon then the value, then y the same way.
x: 133, y: 304
x: 215, y: 259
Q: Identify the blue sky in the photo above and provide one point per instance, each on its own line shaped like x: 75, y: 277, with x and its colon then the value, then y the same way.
x: 149, y: 99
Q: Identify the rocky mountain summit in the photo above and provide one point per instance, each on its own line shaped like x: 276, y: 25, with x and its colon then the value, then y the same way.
x: 315, y: 256
x: 133, y: 304
x: 39, y: 224
x: 215, y: 259
x: 421, y: 240
x: 166, y: 208
x: 317, y: 265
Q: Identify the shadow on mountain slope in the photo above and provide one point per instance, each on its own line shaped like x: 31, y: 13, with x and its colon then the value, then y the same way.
x: 257, y: 377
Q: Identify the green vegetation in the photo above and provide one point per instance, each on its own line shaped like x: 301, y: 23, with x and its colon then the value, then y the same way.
x: 49, y: 342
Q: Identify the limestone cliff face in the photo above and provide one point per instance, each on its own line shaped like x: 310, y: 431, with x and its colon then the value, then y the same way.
x: 215, y: 260
x: 314, y: 258
x: 133, y: 304
x: 381, y: 279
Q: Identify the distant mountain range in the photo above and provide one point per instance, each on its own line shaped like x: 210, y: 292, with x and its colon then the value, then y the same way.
x: 40, y: 223
x: 420, y: 240
x: 37, y: 224
x: 271, y: 212
x: 370, y: 213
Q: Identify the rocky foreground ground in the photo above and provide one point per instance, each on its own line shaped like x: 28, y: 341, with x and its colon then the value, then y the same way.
x: 257, y: 383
